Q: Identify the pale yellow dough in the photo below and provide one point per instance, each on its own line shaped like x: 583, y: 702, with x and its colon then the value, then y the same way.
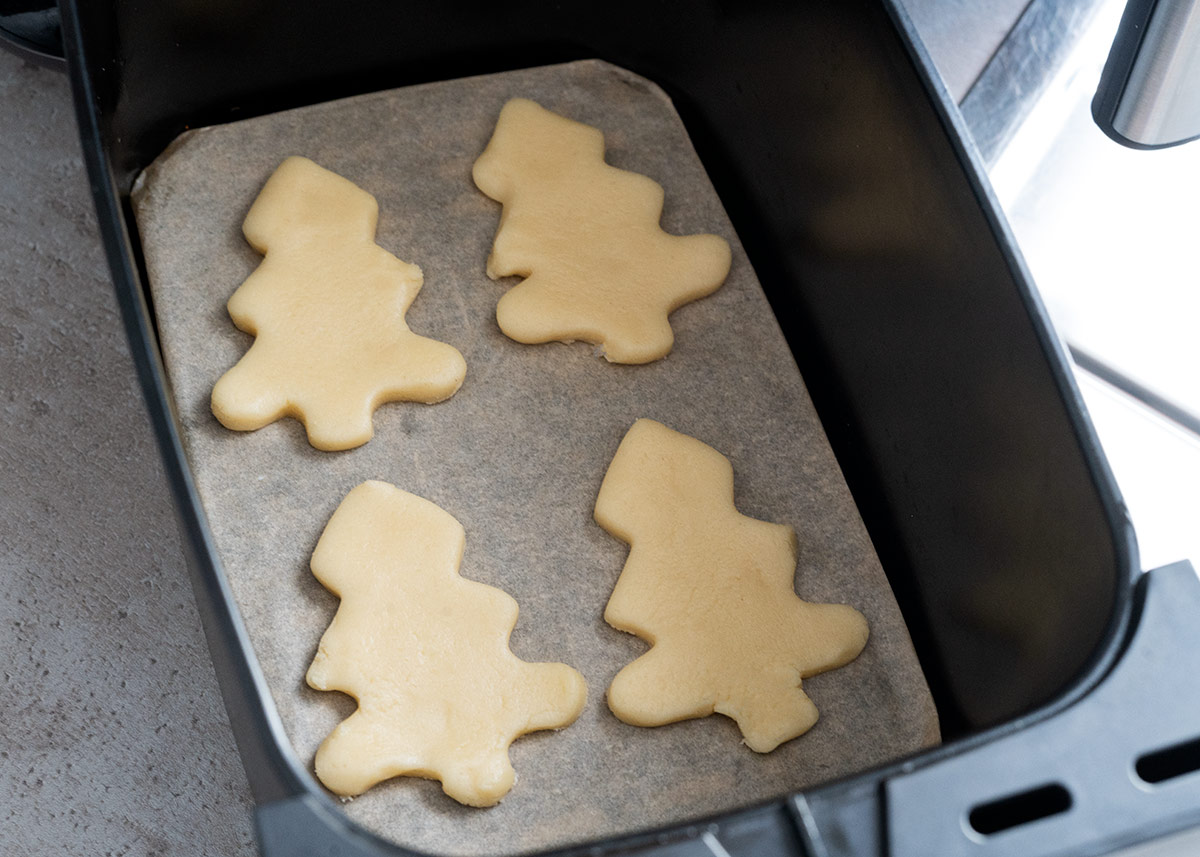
x: 586, y: 237
x: 425, y: 653
x: 711, y: 590
x: 326, y: 307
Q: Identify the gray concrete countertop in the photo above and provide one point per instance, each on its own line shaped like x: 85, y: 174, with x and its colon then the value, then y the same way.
x: 115, y: 741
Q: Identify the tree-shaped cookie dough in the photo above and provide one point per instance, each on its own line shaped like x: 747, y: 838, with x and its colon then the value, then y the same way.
x: 711, y: 590
x: 586, y: 237
x: 425, y: 653
x: 326, y: 308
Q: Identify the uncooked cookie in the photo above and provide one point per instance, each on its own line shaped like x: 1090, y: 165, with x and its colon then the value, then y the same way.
x: 425, y: 653
x: 711, y: 590
x: 326, y: 308
x: 586, y: 238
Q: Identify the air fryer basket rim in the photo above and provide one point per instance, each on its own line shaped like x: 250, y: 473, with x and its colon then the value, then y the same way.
x: 274, y: 773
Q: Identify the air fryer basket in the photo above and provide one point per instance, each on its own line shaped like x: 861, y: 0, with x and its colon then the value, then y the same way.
x: 841, y: 162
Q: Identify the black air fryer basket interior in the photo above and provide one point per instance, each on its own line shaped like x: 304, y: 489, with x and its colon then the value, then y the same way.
x: 944, y: 394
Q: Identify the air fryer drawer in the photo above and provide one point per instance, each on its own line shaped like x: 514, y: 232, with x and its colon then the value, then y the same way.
x: 840, y: 161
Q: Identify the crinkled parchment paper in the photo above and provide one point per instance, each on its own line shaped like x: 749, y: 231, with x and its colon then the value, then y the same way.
x: 517, y: 456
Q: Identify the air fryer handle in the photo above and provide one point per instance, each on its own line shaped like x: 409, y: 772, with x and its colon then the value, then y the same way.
x: 1118, y: 766
x: 1149, y: 93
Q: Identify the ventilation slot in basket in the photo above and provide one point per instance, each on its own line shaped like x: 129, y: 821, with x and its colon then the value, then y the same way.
x: 1169, y: 762
x: 1015, y: 810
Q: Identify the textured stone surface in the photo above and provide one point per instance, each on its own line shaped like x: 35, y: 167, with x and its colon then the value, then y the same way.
x: 114, y: 739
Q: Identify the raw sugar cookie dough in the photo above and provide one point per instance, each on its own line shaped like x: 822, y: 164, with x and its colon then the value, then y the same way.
x: 326, y: 308
x: 425, y: 653
x: 518, y: 455
x: 586, y: 238
x: 712, y: 591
